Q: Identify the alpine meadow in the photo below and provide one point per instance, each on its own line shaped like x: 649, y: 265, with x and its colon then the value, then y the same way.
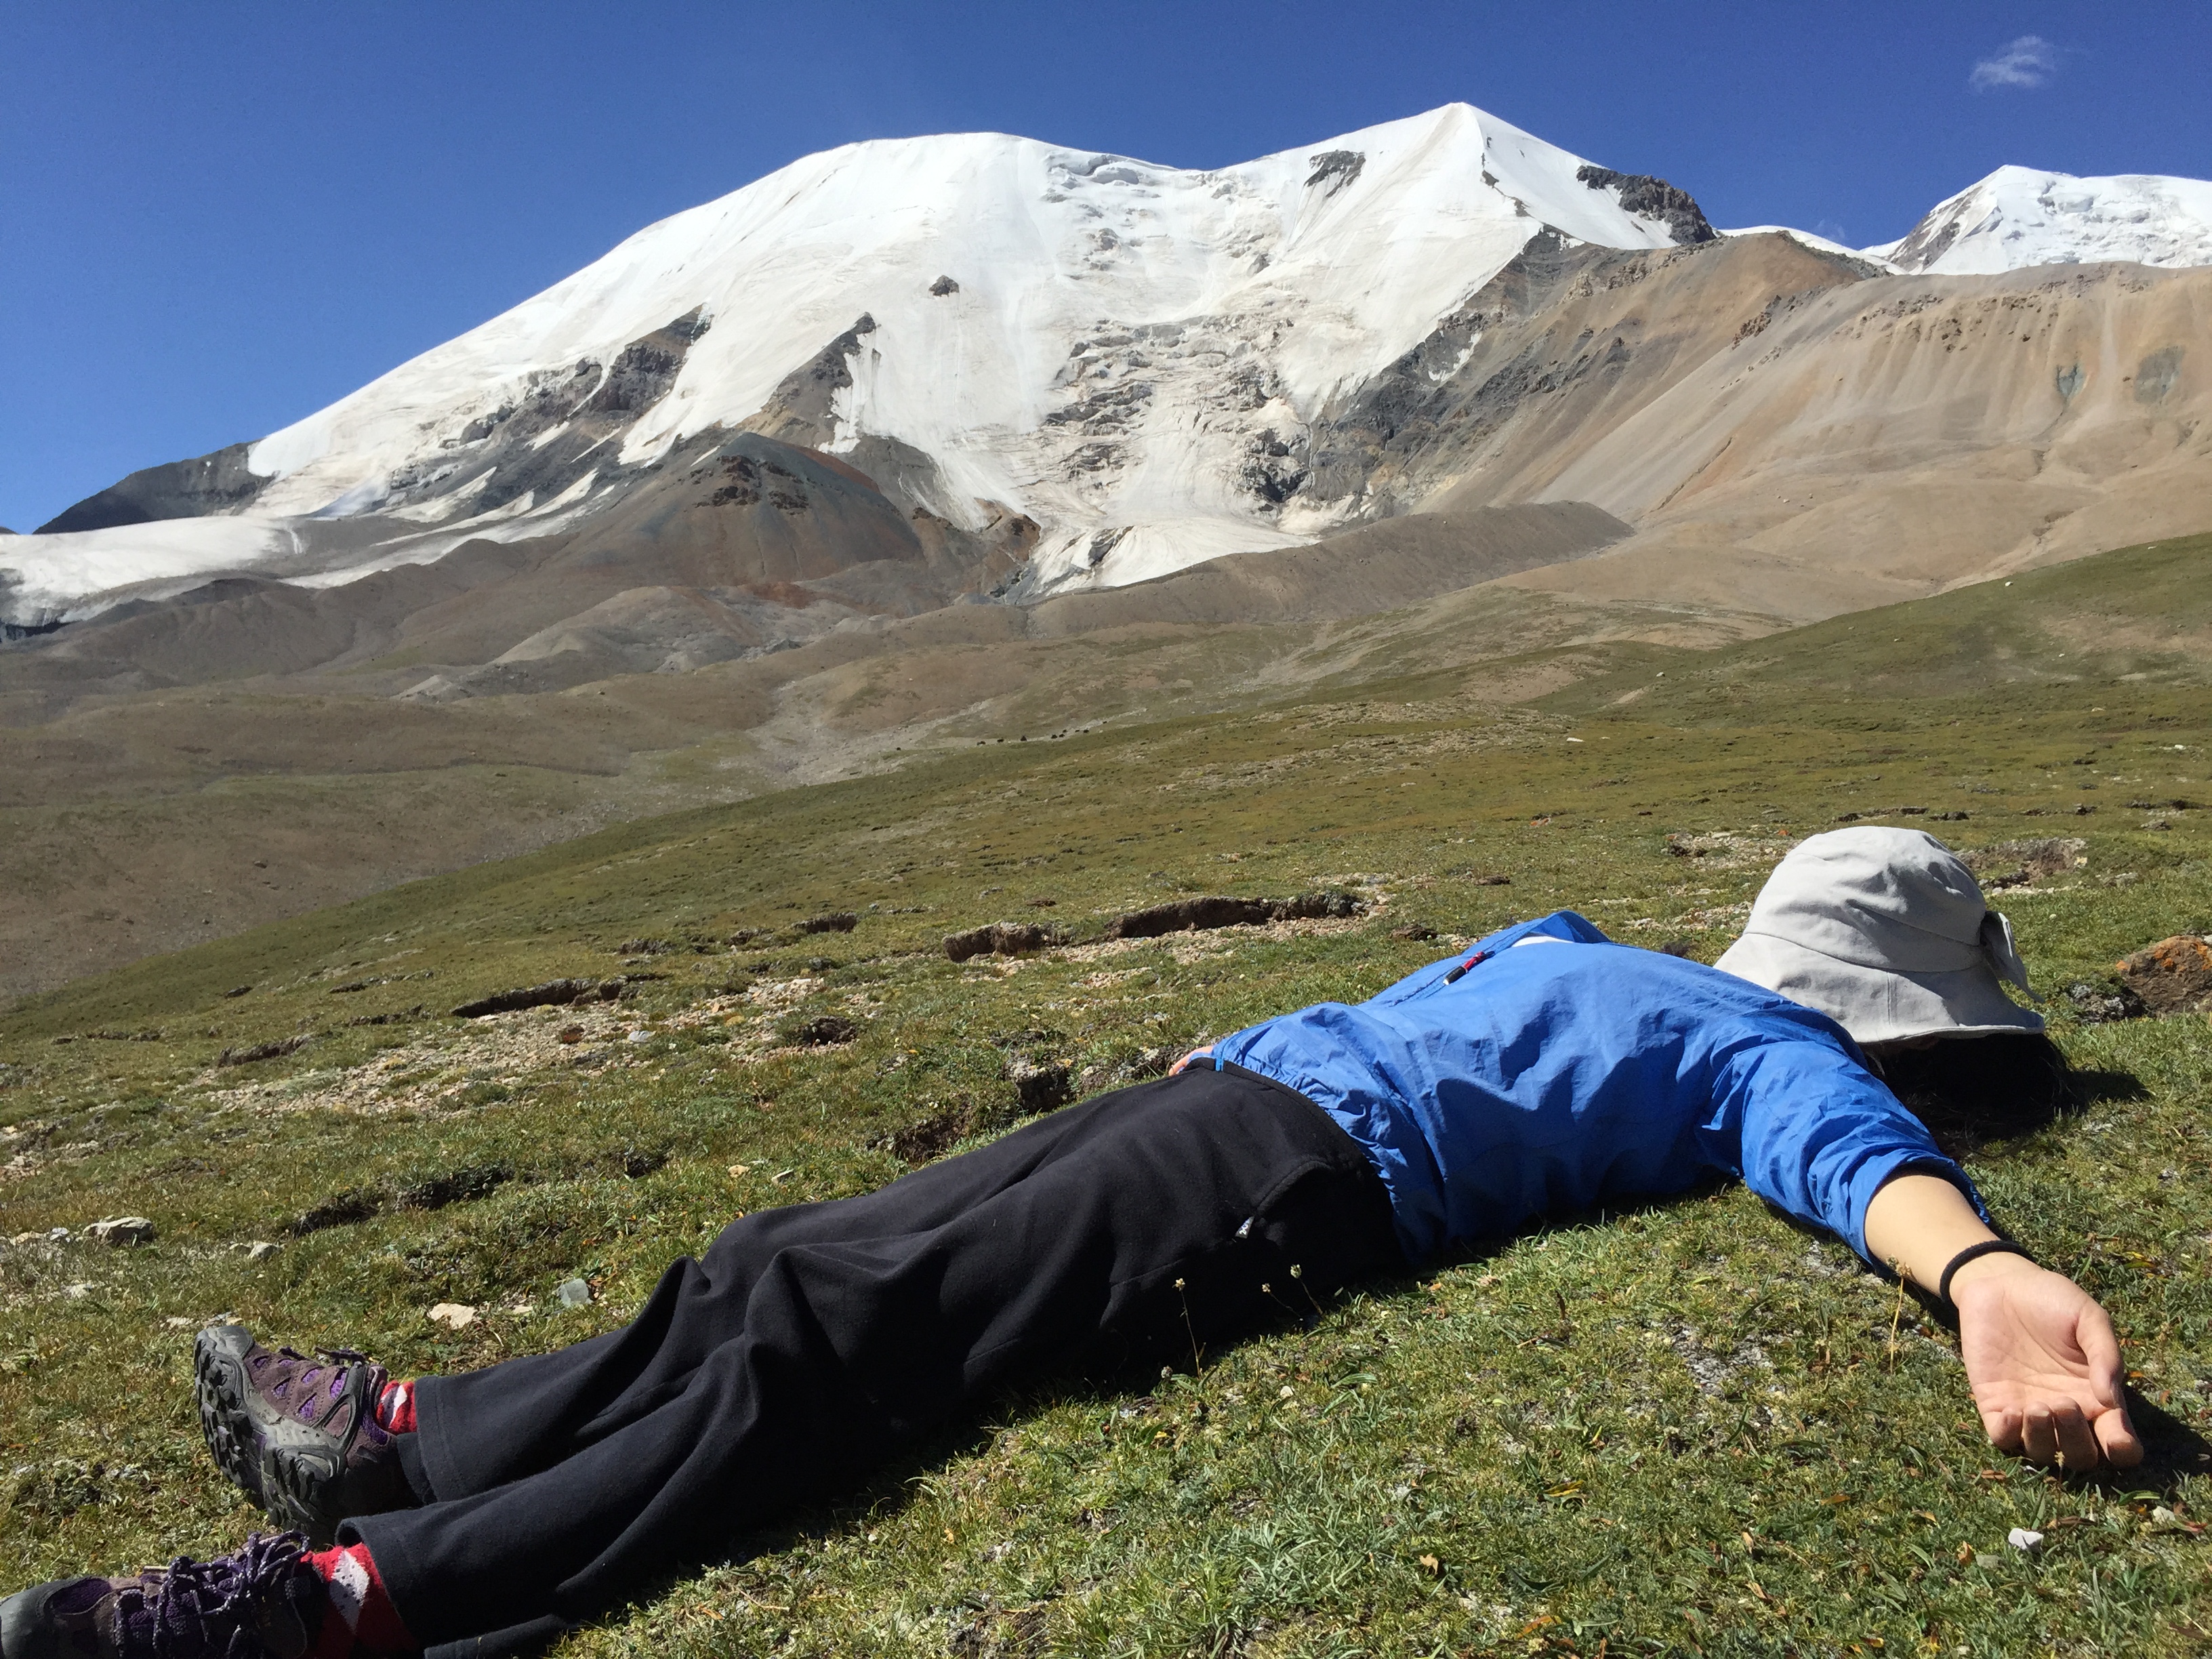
x: 944, y: 631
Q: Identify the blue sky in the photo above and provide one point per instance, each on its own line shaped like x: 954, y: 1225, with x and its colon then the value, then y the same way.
x: 216, y: 218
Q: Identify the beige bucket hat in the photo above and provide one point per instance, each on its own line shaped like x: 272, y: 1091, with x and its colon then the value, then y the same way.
x: 1887, y: 934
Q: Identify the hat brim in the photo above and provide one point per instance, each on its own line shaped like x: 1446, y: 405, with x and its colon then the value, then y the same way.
x: 1879, y: 1005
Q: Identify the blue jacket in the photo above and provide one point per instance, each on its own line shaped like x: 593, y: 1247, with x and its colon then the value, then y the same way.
x: 1556, y: 1076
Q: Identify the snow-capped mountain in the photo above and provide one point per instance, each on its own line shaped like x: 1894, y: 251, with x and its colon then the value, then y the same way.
x: 979, y: 365
x: 1124, y: 354
x: 2018, y: 217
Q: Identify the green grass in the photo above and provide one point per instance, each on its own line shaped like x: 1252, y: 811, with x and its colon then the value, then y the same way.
x: 1691, y: 1427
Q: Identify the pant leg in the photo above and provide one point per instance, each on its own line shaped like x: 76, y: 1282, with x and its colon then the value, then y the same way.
x: 724, y: 1410
x: 485, y: 1428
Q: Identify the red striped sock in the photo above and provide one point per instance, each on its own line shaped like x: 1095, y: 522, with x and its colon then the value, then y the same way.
x: 395, y: 1408
x: 360, y: 1616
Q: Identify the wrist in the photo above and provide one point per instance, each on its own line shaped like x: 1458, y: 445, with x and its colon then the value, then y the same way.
x: 1987, y: 1271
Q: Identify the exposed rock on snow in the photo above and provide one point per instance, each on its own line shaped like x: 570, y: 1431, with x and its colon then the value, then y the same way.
x: 1647, y: 198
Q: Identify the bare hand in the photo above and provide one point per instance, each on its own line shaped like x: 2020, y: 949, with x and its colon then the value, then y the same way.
x: 2043, y: 1365
x: 1195, y: 1054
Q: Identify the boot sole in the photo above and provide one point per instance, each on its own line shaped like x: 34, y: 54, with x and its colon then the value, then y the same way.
x: 293, y: 1482
x: 219, y: 1380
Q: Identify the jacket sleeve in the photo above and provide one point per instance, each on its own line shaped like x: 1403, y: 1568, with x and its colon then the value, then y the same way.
x: 1812, y: 1131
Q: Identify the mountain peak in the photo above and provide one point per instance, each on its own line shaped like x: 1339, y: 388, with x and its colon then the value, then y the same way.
x: 2019, y: 216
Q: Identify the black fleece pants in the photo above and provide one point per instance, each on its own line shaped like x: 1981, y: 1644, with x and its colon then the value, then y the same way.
x: 809, y: 1341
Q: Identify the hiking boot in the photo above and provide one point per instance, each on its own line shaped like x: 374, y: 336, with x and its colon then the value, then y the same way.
x: 263, y: 1602
x: 298, y: 1435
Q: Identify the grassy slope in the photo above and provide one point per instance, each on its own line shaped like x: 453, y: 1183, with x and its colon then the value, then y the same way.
x: 137, y: 819
x: 1688, y: 1427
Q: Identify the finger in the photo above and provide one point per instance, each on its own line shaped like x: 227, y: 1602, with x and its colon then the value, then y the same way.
x: 2117, y: 1434
x: 2002, y: 1427
x: 2038, y: 1441
x: 2101, y: 1348
x: 2077, y: 1443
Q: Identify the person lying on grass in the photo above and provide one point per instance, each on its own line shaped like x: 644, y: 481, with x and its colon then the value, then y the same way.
x: 1546, y: 1071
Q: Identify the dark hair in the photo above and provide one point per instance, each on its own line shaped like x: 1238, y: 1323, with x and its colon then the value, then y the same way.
x: 1968, y: 1089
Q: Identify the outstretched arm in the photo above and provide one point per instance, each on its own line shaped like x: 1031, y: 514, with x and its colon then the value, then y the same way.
x: 2041, y: 1354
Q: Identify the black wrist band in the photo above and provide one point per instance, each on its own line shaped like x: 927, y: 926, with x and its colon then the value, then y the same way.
x: 1975, y: 1253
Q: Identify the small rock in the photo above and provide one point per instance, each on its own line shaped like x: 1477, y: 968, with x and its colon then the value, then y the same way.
x: 2025, y: 1542
x: 640, y: 1035
x: 2174, y: 976
x: 178, y: 1322
x: 121, y: 1231
x: 2093, y: 1007
x: 21, y: 1239
x: 261, y: 1249
x: 572, y: 1034
x: 1415, y: 932
x: 58, y: 1234
x: 575, y: 1293
x: 454, y: 1316
x: 77, y: 1292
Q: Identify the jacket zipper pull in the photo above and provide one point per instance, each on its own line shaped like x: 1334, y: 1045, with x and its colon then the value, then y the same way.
x: 1478, y: 958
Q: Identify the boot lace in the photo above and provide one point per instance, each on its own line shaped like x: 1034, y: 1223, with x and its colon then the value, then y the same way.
x: 204, y: 1609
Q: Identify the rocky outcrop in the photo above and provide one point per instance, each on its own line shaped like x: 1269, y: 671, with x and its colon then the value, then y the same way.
x: 219, y: 482
x: 1647, y: 198
x: 2174, y: 976
x: 555, y: 432
x: 799, y: 410
x: 1333, y: 169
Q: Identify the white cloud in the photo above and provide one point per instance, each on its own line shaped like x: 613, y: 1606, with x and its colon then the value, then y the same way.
x: 2026, y: 63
